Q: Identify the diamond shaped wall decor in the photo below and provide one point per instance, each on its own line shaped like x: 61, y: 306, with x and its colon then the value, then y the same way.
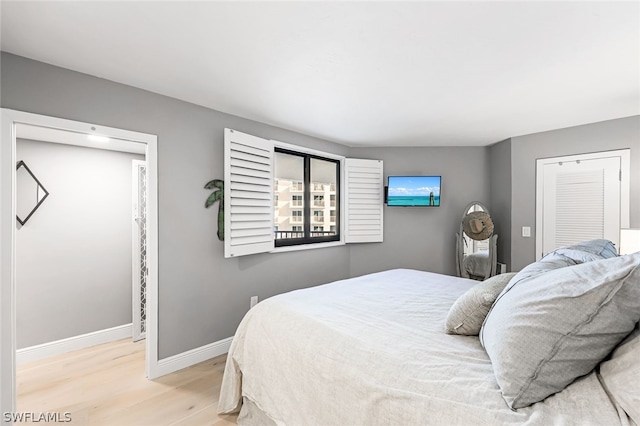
x: 30, y: 193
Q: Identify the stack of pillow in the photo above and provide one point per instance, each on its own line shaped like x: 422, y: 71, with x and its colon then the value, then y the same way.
x: 556, y: 320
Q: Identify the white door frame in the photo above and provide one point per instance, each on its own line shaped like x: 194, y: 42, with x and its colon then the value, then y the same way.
x: 625, y: 166
x: 9, y: 120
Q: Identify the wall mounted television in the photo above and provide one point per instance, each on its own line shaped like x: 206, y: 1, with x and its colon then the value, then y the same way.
x: 413, y: 191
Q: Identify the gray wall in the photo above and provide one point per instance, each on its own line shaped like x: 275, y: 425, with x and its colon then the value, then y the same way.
x: 500, y: 204
x: 525, y: 150
x: 423, y: 237
x: 202, y: 295
x: 73, y: 256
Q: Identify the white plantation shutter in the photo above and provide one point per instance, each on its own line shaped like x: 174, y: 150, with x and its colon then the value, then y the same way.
x: 248, y: 194
x: 364, y: 199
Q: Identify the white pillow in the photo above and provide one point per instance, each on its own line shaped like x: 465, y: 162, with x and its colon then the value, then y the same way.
x: 468, y: 312
x: 621, y: 375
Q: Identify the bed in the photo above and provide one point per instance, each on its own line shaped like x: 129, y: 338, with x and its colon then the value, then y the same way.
x: 371, y: 350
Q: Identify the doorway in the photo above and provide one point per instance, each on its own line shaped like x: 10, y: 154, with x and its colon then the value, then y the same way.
x: 11, y: 121
x: 581, y: 197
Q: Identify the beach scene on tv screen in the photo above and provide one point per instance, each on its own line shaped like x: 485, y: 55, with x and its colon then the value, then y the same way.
x: 414, y: 191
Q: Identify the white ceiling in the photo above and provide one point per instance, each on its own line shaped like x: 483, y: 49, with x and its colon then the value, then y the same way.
x: 357, y: 73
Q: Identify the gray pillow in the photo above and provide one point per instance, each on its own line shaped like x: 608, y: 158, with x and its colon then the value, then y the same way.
x: 468, y: 312
x: 601, y: 247
x: 587, y: 251
x: 545, y: 331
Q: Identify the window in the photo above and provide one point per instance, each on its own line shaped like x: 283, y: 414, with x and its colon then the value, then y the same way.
x: 310, y: 175
x: 296, y: 216
x: 260, y: 188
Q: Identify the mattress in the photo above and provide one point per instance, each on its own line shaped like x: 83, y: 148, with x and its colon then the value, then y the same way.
x: 372, y: 350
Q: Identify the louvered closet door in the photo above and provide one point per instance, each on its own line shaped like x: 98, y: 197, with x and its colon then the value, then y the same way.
x: 581, y: 201
x: 248, y: 194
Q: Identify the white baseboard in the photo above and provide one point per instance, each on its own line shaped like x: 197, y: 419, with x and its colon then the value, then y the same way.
x: 34, y: 353
x: 165, y: 366
x: 192, y: 357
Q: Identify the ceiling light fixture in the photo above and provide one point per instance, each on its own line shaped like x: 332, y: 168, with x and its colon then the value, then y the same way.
x: 98, y: 138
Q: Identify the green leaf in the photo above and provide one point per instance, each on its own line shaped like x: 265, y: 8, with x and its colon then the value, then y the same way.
x: 215, y: 196
x: 221, y: 222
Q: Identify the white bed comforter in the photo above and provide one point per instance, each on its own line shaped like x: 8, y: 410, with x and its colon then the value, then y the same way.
x: 372, y: 351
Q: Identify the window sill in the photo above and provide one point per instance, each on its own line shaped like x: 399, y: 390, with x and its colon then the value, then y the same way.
x: 307, y: 246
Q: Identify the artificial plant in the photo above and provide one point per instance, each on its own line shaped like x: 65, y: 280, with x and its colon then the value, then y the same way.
x: 217, y: 195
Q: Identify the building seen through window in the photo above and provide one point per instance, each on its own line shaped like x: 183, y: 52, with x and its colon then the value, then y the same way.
x: 306, y: 188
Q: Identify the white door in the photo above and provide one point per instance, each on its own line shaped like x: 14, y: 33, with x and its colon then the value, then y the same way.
x: 139, y: 261
x: 579, y: 198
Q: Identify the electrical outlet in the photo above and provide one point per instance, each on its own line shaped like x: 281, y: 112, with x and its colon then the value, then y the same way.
x: 254, y: 301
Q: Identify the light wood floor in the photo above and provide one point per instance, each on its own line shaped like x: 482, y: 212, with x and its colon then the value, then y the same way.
x: 106, y: 385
